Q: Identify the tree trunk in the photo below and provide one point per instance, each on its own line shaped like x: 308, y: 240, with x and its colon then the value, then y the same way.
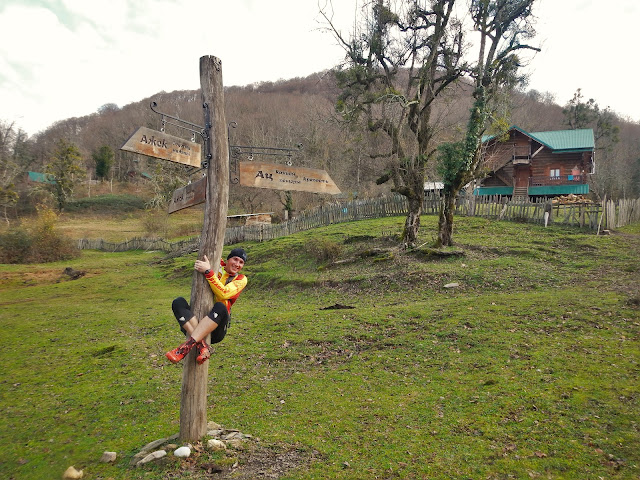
x: 193, y: 406
x: 412, y: 222
x: 445, y: 222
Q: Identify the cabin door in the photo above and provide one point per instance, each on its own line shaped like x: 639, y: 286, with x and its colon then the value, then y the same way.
x: 522, y: 176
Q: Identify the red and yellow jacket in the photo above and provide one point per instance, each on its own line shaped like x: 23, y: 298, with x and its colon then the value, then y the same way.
x: 226, y: 291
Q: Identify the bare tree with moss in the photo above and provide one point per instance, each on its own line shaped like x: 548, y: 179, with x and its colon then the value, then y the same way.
x: 502, y: 26
x: 399, y: 59
x: 286, y: 200
x: 66, y: 171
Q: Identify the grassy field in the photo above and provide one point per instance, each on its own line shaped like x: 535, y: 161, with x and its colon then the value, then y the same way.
x: 127, y: 225
x: 117, y: 218
x: 527, y: 369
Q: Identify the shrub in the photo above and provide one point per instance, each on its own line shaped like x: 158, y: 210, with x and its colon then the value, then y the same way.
x: 39, y: 242
x: 187, y: 230
x: 324, y: 250
x: 156, y: 223
x: 15, y: 246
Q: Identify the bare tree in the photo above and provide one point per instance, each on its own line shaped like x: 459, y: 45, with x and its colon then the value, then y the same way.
x: 400, y: 57
x: 627, y: 166
x: 11, y: 151
x: 252, y: 199
x: 611, y: 177
x: 501, y: 25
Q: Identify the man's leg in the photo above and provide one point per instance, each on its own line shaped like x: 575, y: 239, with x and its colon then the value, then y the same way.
x: 185, y: 318
x: 217, y: 317
x: 190, y: 326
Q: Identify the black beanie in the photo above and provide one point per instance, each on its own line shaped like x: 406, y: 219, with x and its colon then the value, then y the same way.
x: 238, y: 252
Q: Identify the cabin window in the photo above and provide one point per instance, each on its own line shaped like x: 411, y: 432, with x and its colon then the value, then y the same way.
x: 554, y: 173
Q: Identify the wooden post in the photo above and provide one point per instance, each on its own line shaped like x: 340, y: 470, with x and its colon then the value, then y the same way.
x: 193, y: 405
x: 604, y: 204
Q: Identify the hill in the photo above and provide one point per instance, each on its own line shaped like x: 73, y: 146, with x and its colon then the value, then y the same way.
x: 287, y: 113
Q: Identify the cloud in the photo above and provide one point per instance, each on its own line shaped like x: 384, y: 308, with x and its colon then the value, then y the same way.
x: 68, y: 57
x: 585, y: 45
x: 65, y: 58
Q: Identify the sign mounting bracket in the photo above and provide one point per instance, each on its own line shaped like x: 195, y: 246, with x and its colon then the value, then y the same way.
x: 237, y: 151
x: 191, y: 127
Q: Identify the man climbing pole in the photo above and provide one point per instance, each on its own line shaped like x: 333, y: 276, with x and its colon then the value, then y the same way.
x: 226, y: 284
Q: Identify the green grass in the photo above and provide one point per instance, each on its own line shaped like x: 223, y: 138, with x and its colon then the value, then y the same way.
x: 528, y: 369
x: 107, y: 203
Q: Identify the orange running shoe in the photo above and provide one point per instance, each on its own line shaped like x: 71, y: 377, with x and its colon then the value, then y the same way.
x: 203, y: 352
x: 180, y: 352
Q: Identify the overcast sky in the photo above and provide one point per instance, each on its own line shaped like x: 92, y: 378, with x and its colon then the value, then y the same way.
x: 66, y: 58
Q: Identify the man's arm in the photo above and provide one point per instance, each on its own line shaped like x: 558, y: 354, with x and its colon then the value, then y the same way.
x: 227, y: 291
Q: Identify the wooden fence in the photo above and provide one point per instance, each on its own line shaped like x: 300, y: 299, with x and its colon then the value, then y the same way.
x: 586, y: 215
x: 137, y: 244
x: 623, y: 213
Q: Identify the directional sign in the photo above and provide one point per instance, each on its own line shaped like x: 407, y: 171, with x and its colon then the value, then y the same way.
x: 193, y: 194
x: 282, y: 177
x: 166, y: 147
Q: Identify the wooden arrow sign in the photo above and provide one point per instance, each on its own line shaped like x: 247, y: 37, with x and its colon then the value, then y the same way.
x: 166, y: 147
x: 188, y: 196
x: 283, y: 177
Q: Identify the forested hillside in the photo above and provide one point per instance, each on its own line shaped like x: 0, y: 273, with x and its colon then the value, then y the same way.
x: 280, y: 114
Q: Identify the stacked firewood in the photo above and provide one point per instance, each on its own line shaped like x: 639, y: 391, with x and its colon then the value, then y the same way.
x: 570, y: 199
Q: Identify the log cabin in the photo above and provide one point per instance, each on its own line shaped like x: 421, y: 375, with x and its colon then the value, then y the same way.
x: 538, y: 164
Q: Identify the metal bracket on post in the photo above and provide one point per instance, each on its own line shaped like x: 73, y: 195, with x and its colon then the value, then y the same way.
x: 237, y: 151
x: 205, y: 136
x: 191, y: 127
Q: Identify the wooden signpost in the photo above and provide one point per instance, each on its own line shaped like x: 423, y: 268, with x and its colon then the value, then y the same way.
x: 166, y: 147
x: 213, y: 190
x: 193, y: 194
x: 283, y: 177
x: 193, y: 403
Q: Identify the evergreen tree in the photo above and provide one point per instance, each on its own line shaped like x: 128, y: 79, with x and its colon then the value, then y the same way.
x: 66, y: 171
x: 103, y: 159
x: 587, y: 114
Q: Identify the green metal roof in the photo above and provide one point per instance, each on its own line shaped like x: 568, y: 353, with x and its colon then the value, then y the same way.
x: 41, y: 177
x: 579, y: 189
x: 566, y: 141
x: 493, y: 191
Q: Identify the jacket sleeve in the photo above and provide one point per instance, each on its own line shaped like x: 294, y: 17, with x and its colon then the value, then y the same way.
x: 230, y: 290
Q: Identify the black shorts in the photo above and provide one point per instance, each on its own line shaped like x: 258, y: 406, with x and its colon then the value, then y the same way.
x: 219, y: 314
